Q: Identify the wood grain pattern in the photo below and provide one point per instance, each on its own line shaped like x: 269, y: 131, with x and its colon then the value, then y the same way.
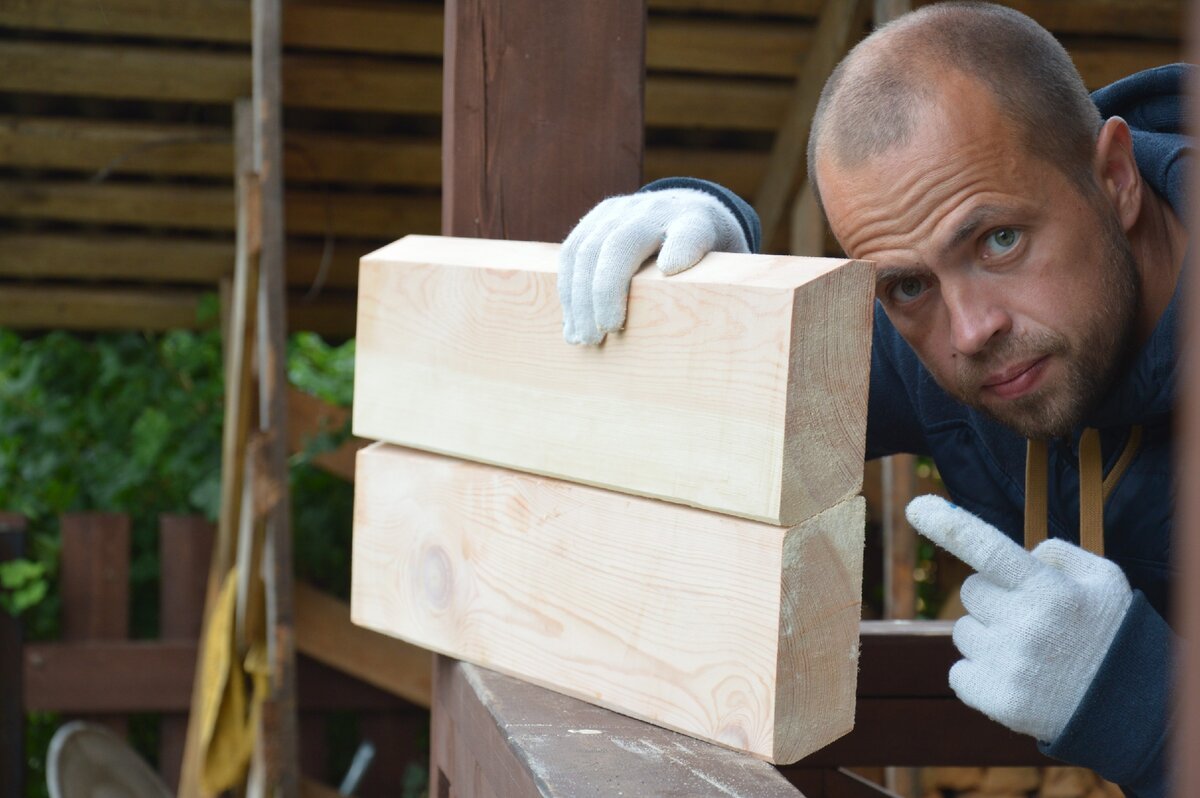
x: 730, y: 630
x: 739, y: 386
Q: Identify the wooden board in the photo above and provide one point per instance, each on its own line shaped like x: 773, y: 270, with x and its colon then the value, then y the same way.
x: 739, y: 386
x: 528, y: 741
x: 734, y: 631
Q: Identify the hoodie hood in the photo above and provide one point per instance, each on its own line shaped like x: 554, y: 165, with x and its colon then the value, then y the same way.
x: 1153, y: 103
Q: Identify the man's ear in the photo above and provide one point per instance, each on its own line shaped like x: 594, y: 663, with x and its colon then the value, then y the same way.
x: 1116, y: 171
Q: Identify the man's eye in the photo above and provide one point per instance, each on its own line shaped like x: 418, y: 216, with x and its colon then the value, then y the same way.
x: 1001, y: 241
x: 906, y: 289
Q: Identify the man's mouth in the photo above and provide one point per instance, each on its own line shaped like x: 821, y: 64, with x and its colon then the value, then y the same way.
x: 1016, y: 380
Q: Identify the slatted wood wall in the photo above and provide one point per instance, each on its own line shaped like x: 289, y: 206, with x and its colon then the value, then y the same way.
x: 116, y: 199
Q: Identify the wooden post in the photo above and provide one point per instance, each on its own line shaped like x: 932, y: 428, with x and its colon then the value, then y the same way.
x: 94, y: 582
x: 567, y: 133
x: 278, y: 744
x: 1186, y: 774
x: 12, y: 683
x: 542, y: 113
x: 185, y: 545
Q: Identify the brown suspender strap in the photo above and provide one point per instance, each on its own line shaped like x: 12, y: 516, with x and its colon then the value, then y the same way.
x: 1091, y: 492
x: 1118, y: 469
x: 1036, y: 508
x: 1094, y: 489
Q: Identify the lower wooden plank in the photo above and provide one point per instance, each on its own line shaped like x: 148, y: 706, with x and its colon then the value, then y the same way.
x: 523, y: 740
x: 730, y: 630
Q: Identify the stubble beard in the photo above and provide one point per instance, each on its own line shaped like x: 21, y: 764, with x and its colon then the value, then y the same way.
x: 1092, y: 362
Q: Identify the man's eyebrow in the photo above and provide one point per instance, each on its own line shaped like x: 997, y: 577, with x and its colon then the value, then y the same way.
x: 974, y: 220
x: 886, y: 274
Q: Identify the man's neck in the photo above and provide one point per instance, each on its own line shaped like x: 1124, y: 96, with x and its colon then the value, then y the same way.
x: 1159, y: 241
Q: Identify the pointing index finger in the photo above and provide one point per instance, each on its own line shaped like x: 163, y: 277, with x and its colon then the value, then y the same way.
x: 974, y: 541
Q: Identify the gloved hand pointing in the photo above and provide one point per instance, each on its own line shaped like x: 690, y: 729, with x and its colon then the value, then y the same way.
x: 600, y: 256
x: 1039, y: 625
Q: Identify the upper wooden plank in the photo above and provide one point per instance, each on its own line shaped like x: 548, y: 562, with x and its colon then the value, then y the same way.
x: 738, y: 386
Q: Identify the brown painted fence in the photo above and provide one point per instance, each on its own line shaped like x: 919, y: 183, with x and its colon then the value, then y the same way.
x: 96, y: 671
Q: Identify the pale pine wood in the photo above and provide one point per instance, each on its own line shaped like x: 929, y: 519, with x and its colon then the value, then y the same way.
x: 738, y: 386
x: 325, y: 633
x: 734, y: 631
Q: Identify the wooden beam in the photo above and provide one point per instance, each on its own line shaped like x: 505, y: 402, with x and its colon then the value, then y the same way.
x: 839, y: 26
x: 733, y: 631
x: 497, y: 63
x: 325, y: 633
x: 506, y: 730
x: 761, y: 413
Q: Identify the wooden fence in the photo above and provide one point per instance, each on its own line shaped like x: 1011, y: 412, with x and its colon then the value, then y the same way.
x: 95, y: 671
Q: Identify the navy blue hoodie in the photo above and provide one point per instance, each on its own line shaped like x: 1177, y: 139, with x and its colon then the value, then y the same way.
x: 1120, y: 727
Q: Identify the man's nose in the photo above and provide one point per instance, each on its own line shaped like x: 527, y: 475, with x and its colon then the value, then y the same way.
x: 975, y: 318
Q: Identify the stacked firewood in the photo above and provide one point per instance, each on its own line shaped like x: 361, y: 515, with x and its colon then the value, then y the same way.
x: 1051, y: 782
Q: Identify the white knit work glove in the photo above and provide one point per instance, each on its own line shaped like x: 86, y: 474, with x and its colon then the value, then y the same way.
x: 1039, y: 623
x: 610, y: 243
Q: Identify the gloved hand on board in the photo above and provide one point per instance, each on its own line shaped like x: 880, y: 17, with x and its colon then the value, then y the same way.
x: 600, y: 256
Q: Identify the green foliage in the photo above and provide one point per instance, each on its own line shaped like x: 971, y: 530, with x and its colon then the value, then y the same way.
x: 131, y: 423
x: 322, y: 369
x: 24, y: 583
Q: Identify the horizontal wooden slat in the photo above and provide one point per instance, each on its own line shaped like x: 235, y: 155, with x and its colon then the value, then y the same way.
x: 156, y: 676
x: 925, y: 731
x: 160, y: 259
x: 70, y: 308
x: 1160, y: 19
x: 211, y: 208
x: 379, y: 27
x: 92, y: 145
x: 39, y: 307
x: 157, y: 73
x: 726, y: 47
x: 363, y: 83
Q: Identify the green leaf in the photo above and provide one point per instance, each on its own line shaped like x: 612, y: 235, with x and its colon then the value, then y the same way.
x: 20, y: 572
x: 30, y: 595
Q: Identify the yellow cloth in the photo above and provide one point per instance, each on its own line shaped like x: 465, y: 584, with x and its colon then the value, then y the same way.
x: 228, y: 727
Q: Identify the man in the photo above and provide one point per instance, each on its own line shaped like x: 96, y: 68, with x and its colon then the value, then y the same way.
x: 1028, y: 251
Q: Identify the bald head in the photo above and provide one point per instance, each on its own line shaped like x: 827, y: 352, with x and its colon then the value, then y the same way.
x: 876, y: 95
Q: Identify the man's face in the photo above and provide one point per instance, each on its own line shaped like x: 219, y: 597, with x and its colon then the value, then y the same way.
x: 1017, y: 292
